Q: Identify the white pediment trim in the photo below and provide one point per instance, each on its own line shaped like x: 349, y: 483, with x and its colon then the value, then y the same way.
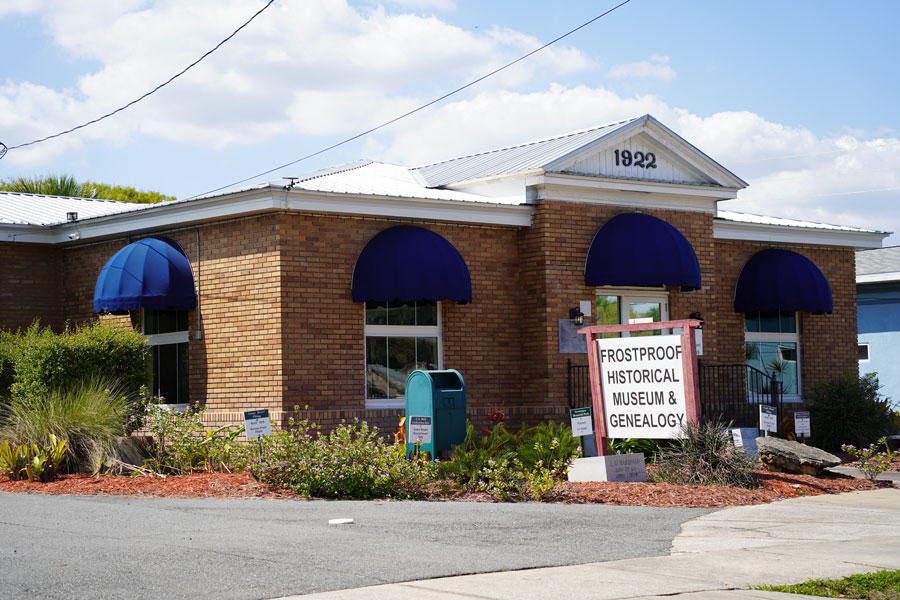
x: 683, y: 163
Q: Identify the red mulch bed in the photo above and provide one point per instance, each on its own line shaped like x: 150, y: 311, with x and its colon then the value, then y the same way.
x: 777, y: 486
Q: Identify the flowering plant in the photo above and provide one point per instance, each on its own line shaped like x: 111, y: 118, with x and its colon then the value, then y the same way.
x: 353, y: 461
x: 870, y: 460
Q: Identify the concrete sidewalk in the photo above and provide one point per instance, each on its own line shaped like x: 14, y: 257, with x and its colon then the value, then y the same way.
x: 715, y: 556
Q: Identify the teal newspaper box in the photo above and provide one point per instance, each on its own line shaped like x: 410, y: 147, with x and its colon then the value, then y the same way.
x: 435, y: 410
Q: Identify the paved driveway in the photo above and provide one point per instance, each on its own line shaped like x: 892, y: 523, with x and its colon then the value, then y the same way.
x: 81, y: 547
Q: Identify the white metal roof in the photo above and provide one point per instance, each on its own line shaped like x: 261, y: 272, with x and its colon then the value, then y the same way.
x: 35, y: 209
x: 513, y: 159
x: 782, y: 222
x: 371, y: 178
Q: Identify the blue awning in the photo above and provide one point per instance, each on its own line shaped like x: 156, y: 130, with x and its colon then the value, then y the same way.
x: 151, y: 273
x: 641, y: 250
x: 777, y: 279
x: 407, y: 264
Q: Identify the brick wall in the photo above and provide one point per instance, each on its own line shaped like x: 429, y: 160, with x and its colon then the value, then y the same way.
x: 827, y: 342
x: 280, y: 329
x: 30, y: 286
x: 553, y: 253
x: 324, y: 335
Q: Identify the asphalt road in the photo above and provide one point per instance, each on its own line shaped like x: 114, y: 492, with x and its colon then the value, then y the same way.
x: 99, y: 548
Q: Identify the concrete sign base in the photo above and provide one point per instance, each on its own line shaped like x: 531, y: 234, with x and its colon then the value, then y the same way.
x: 613, y: 467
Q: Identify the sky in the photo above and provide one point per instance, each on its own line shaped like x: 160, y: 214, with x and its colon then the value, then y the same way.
x: 797, y: 98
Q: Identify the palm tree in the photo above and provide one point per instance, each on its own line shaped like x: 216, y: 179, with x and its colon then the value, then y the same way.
x: 52, y: 185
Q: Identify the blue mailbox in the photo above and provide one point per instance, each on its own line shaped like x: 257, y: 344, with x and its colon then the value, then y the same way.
x: 435, y: 410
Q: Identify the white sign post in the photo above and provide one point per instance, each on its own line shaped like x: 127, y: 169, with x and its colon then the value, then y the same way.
x: 643, y: 386
x: 768, y: 418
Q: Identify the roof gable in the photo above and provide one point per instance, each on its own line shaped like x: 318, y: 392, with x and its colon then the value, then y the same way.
x: 640, y: 149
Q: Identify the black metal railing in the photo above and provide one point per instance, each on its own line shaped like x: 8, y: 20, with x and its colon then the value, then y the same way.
x: 733, y: 393
x: 579, y: 386
x: 729, y: 393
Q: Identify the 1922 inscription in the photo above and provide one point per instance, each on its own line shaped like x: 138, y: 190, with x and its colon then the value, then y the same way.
x: 644, y: 160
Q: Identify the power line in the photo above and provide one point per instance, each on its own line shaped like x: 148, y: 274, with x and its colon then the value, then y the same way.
x: 133, y: 102
x: 412, y: 112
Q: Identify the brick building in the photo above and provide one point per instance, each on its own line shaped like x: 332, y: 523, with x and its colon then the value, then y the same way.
x: 323, y: 292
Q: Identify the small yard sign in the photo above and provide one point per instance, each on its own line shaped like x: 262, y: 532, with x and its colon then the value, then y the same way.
x: 582, y: 422
x: 801, y: 424
x: 768, y: 418
x: 737, y: 438
x: 257, y: 424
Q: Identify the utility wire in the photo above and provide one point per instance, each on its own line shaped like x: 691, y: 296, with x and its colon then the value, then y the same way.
x: 415, y: 110
x: 4, y: 148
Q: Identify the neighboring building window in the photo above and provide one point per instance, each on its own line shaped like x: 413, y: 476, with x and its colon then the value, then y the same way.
x: 772, y: 345
x: 623, y: 306
x: 863, y: 352
x: 400, y: 338
x: 167, y: 335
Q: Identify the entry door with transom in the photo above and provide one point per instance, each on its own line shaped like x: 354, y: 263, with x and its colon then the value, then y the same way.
x: 625, y: 306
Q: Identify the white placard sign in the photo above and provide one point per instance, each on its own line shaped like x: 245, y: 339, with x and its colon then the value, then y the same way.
x: 737, y: 438
x: 643, y: 386
x: 420, y: 430
x: 582, y: 422
x: 801, y: 424
x: 257, y: 424
x: 768, y: 418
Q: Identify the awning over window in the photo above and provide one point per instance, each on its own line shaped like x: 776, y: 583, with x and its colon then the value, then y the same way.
x: 641, y: 250
x: 408, y: 264
x: 776, y: 279
x: 151, y: 273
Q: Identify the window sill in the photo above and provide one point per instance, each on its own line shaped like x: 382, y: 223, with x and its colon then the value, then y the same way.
x: 385, y: 404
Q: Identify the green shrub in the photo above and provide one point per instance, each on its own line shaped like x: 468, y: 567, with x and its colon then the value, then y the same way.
x: 469, y: 459
x: 182, y: 444
x: 47, y: 361
x: 549, y: 444
x: 650, y: 448
x: 352, y: 461
x: 33, y: 462
x: 509, y: 467
x: 705, y: 455
x: 8, y: 350
x: 89, y: 417
x: 849, y: 410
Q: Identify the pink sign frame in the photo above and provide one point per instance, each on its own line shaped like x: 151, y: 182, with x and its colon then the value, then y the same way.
x: 689, y: 363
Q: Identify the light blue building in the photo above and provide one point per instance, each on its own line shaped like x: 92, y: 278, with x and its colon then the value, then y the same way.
x: 878, y: 316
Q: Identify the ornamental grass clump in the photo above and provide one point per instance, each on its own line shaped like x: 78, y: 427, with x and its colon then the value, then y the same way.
x: 705, y: 455
x: 89, y: 417
x: 352, y: 461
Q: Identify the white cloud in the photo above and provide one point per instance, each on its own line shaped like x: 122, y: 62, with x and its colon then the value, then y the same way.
x: 326, y: 54
x: 792, y: 172
x: 440, y: 5
x: 656, y: 68
x: 325, y: 68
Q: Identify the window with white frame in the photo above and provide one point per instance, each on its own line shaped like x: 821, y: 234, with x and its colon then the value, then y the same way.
x: 400, y: 338
x: 863, y: 350
x: 167, y: 335
x: 772, y: 345
x: 622, y: 306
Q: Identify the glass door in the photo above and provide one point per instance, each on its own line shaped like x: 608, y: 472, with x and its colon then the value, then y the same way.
x: 628, y: 307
